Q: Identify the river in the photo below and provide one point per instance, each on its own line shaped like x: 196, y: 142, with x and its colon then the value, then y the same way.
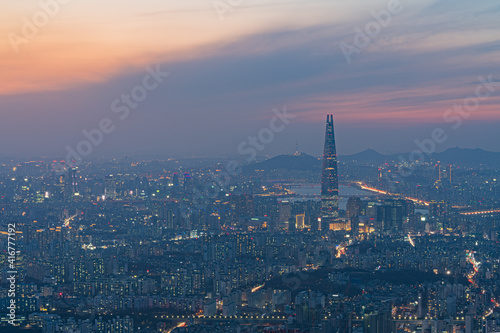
x: 313, y: 192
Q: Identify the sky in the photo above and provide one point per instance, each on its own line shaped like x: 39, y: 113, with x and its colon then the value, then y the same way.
x: 392, y: 73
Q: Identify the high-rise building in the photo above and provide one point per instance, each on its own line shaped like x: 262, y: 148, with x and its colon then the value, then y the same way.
x: 110, y: 187
x: 187, y: 182
x: 309, y: 306
x: 61, y: 192
x: 300, y: 221
x: 378, y: 322
x: 265, y: 206
x: 241, y: 205
x: 390, y: 215
x: 444, y: 173
x: 355, y: 225
x: 329, y: 178
x: 439, y: 209
x: 354, y: 207
x: 214, y: 222
x: 285, y: 212
x: 74, y: 179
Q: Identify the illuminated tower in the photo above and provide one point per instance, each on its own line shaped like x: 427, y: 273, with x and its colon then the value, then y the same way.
x: 329, y: 178
x: 73, y: 175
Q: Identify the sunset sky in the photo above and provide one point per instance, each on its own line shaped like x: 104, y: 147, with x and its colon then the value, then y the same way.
x: 231, y: 65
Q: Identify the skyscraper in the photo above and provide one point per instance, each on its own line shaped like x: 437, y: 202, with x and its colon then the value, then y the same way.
x: 73, y: 176
x: 329, y: 178
x: 110, y: 187
x: 354, y: 207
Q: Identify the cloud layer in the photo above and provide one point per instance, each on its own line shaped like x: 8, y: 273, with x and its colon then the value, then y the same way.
x: 227, y: 75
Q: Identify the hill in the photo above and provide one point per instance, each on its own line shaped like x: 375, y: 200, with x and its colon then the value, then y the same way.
x: 301, y: 161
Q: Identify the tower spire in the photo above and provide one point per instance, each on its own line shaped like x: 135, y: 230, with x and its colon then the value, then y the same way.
x: 329, y: 177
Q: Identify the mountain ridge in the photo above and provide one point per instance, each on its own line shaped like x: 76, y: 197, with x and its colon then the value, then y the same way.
x: 455, y: 155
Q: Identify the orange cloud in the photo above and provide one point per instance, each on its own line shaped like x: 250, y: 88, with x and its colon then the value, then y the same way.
x: 419, y: 105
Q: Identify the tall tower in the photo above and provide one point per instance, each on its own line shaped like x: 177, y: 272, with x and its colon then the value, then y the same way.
x: 329, y: 177
x: 74, y: 180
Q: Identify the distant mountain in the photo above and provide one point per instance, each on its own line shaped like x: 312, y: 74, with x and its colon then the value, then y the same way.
x: 299, y: 161
x: 305, y: 162
x: 461, y: 156
x: 367, y: 156
x: 473, y: 157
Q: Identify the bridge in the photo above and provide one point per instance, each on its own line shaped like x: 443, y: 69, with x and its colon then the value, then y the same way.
x: 416, y: 321
x: 243, y: 318
x: 365, y: 187
x: 281, y: 318
x: 481, y: 212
